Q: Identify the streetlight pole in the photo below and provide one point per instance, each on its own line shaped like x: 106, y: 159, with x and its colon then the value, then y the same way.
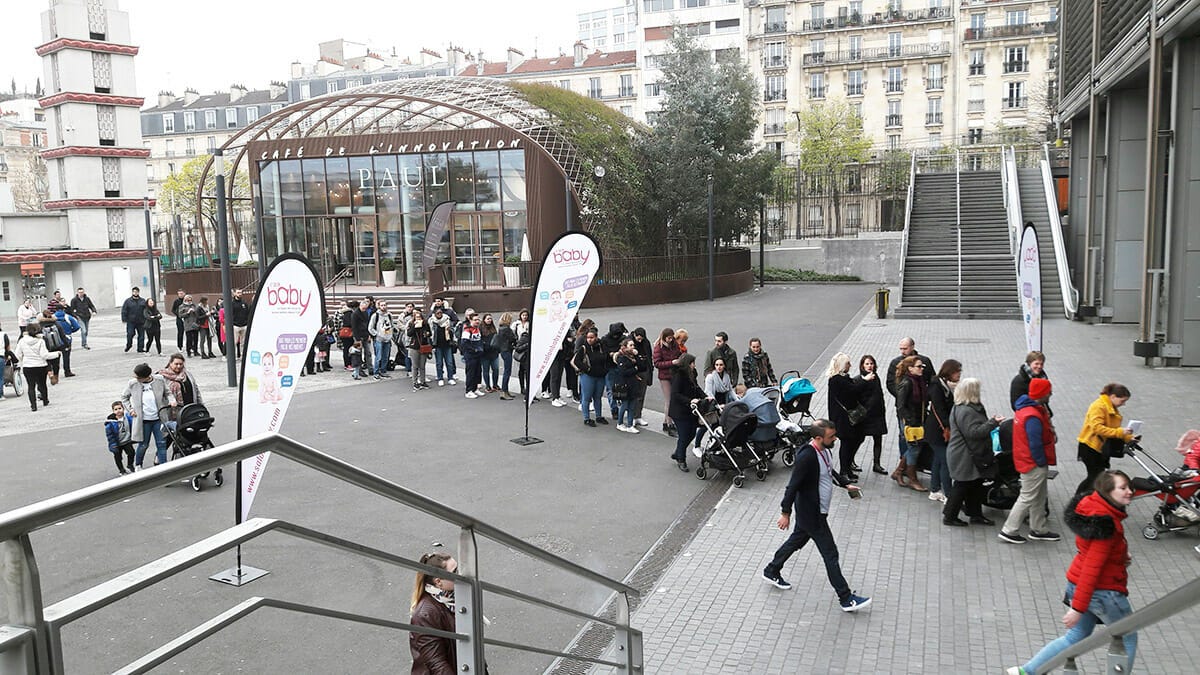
x: 150, y: 249
x: 226, y: 273
x: 762, y: 236
x: 711, y: 243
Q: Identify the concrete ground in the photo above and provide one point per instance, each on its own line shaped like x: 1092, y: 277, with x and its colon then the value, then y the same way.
x: 946, y: 600
x: 593, y: 495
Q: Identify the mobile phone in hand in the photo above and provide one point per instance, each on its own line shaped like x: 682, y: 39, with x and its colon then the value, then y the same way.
x: 855, y: 493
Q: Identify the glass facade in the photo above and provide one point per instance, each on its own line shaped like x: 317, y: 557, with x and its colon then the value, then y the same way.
x: 353, y: 212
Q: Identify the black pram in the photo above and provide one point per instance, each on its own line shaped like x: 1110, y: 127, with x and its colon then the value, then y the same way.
x: 189, y: 435
x: 726, y: 446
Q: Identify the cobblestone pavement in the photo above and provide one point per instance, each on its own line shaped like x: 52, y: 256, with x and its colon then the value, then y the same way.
x: 946, y: 600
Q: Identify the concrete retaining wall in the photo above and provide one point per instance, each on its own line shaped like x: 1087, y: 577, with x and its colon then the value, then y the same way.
x: 859, y: 257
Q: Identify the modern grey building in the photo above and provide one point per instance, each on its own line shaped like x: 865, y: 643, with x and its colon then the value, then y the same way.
x: 1130, y: 97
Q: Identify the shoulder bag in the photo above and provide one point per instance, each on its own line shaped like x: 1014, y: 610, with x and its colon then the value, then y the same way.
x: 855, y: 414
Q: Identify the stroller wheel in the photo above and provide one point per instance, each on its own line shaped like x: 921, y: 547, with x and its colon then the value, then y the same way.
x: 218, y: 478
x: 701, y: 472
x: 1150, y: 532
x: 196, y: 483
x: 789, y: 457
x: 737, y: 481
x: 760, y: 474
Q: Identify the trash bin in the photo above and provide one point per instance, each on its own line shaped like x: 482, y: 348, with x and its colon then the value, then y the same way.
x: 881, y: 303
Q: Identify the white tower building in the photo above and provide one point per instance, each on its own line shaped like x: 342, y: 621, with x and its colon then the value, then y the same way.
x: 95, y: 159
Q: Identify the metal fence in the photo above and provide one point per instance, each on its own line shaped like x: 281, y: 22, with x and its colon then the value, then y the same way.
x: 839, y: 202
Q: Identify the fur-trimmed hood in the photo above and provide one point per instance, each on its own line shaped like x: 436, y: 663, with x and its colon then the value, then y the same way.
x: 1093, y: 517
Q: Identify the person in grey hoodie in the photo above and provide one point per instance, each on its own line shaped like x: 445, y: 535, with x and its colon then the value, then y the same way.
x: 147, y: 398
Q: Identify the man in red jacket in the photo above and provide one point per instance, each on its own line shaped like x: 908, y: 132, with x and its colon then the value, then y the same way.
x: 1033, y: 453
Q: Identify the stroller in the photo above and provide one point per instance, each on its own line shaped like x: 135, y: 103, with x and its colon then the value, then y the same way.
x: 189, y: 435
x: 1004, y: 488
x: 796, y: 396
x: 1179, y: 491
x: 13, y: 377
x: 726, y: 445
x: 774, y: 434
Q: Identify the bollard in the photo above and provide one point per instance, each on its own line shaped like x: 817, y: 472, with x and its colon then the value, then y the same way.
x: 881, y: 302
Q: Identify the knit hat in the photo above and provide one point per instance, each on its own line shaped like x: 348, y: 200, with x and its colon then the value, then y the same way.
x: 1039, y: 388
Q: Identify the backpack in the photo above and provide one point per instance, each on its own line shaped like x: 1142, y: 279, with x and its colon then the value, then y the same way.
x: 52, y: 336
x: 521, y: 349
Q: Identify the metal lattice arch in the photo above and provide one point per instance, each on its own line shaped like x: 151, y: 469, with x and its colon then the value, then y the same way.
x: 413, y: 105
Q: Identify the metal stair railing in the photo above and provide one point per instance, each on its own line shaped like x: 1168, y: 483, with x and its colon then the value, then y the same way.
x: 1183, y: 598
x: 958, y: 220
x: 31, y: 635
x: 908, y: 208
x: 1070, y: 295
x: 1012, y: 203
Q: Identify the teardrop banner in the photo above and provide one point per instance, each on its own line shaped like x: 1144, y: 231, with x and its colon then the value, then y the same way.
x: 1029, y: 282
x: 568, y: 268
x: 289, y: 308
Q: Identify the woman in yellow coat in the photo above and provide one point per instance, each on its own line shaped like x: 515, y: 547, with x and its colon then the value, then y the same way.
x: 1101, y: 424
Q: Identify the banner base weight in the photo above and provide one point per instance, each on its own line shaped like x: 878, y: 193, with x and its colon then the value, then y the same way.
x: 231, y: 576
x: 526, y: 440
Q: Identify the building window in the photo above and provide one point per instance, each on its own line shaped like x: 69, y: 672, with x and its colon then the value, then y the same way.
x: 727, y: 25
x: 818, y: 14
x: 231, y: 117
x: 170, y: 168
x: 653, y: 89
x: 975, y: 101
x: 627, y: 110
x: 1016, y: 17
x: 353, y: 82
x: 893, y: 142
x: 190, y: 144
x: 212, y: 144
x: 975, y: 62
x: 168, y: 123
x: 1015, y: 95
x: 933, y: 111
x: 110, y: 172
x: 658, y: 5
x: 1015, y: 60
x: 776, y: 20
x: 816, y: 51
x: 854, y: 83
x: 594, y: 90
x: 7, y: 292
x: 116, y: 227
x: 895, y: 80
x: 694, y: 29
x: 774, y: 122
x: 854, y: 215
x: 935, y: 140
x: 305, y: 90
x: 102, y: 72
x: 189, y: 121
x: 626, y: 86
x: 855, y: 47
x: 693, y: 3
x: 774, y: 54
x: 933, y: 77
x: 564, y: 84
x: 978, y: 22
x: 894, y: 43
x: 816, y: 86
x: 776, y: 88
x: 652, y: 117
x: 974, y: 136
x: 106, y: 122
x: 816, y: 217
x: 210, y: 119
x: 251, y: 114
x: 276, y: 106
x: 170, y: 147
x: 856, y: 109
x: 893, y: 119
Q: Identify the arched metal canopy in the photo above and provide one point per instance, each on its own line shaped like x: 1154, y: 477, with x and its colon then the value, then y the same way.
x: 412, y: 105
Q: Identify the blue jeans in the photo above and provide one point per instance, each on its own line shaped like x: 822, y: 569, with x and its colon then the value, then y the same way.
x: 939, y: 480
x: 383, y: 352
x: 132, y: 329
x: 83, y: 331
x: 591, y: 393
x: 625, y: 412
x: 491, y: 371
x: 1106, y: 606
x: 506, y: 357
x: 903, y: 443
x: 152, y: 428
x: 444, y: 361
x: 609, y: 378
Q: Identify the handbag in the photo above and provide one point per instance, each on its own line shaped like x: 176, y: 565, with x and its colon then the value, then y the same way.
x: 425, y: 349
x: 345, y: 332
x: 1113, y: 447
x: 914, y: 434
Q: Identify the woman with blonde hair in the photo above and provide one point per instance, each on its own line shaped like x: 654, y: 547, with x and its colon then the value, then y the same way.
x: 846, y: 410
x: 433, y: 607
x: 969, y: 455
x: 681, y: 338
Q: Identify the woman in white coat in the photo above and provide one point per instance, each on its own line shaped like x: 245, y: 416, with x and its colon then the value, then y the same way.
x: 35, y: 359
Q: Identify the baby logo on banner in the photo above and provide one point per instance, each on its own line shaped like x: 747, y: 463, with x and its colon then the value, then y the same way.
x: 567, y: 272
x: 1029, y: 279
x: 288, y: 312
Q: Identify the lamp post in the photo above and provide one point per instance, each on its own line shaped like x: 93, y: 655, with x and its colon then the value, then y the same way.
x: 226, y: 273
x: 711, y: 243
x: 149, y: 249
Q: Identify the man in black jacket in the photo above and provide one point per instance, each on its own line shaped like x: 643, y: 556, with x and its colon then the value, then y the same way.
x: 134, y: 318
x: 239, y: 316
x: 809, y: 493
x: 83, y: 308
x: 179, y: 295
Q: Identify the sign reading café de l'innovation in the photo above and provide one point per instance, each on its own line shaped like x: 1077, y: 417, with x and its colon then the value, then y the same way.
x: 464, y: 140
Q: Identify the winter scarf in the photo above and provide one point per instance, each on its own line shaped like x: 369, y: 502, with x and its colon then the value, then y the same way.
x: 175, y: 382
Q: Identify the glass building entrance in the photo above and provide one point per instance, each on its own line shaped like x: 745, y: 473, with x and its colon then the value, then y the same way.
x: 353, y: 212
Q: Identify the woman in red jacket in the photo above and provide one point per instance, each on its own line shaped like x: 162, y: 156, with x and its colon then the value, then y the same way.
x: 1097, y: 581
x: 666, y: 354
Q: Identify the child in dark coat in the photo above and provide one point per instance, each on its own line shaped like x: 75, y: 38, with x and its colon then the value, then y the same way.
x: 117, y: 430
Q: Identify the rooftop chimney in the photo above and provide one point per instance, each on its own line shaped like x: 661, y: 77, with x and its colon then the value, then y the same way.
x: 515, y: 57
x: 165, y: 98
x: 454, y: 56
x: 277, y: 89
x: 580, y: 53
x: 190, y: 95
x: 236, y: 91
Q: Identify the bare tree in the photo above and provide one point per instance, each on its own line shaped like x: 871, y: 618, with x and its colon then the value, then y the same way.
x: 30, y: 184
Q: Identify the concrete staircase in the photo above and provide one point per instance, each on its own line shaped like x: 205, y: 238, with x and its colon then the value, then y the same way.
x: 395, y: 297
x: 1033, y: 207
x: 931, y: 262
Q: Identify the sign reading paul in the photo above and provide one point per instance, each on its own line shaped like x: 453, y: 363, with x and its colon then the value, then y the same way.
x: 568, y: 268
x: 1029, y: 281
x: 288, y: 311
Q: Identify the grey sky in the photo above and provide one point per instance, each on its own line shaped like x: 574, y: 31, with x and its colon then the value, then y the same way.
x: 251, y: 42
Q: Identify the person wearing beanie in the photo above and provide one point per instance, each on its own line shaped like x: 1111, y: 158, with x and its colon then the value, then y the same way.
x: 1033, y: 453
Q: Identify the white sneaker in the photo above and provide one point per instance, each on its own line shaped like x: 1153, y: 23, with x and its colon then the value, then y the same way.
x: 481, y: 392
x: 579, y: 407
x: 622, y: 427
x: 639, y: 422
x: 545, y: 394
x: 937, y: 497
x: 452, y: 381
x: 471, y: 394
x: 632, y: 430
x: 441, y: 383
x: 557, y: 403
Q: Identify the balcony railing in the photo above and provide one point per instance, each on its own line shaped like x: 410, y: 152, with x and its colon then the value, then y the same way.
x: 595, y: 93
x: 975, y: 105
x: 879, y: 54
x: 625, y: 92
x: 774, y: 129
x: 877, y: 18
x: 770, y: 62
x: 1017, y: 30
x: 1016, y: 66
x: 893, y: 121
x: 775, y: 95
x: 975, y: 69
x: 894, y: 86
x: 933, y: 118
x: 854, y: 89
x: 1013, y: 102
x: 818, y: 92
x: 935, y: 83
x: 775, y: 27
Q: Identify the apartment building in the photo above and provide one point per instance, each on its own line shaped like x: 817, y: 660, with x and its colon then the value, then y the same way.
x: 613, y: 28
x: 717, y: 26
x: 23, y: 182
x: 612, y: 78
x: 344, y: 64
x: 921, y: 75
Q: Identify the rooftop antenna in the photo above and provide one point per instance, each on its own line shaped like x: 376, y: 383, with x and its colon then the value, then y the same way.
x: 535, y: 47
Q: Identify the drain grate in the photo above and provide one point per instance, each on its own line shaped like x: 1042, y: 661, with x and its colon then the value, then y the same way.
x: 594, y: 639
x: 968, y: 341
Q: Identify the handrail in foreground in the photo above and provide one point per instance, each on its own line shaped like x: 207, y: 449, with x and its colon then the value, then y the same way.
x: 30, y: 637
x: 908, y: 207
x: 1183, y: 598
x: 1070, y: 295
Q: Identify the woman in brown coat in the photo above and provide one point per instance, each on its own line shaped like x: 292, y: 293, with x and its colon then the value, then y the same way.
x: 433, y: 607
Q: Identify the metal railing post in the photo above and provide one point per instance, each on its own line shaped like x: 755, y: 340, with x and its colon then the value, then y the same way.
x: 1117, y: 661
x: 628, y: 642
x: 23, y: 601
x: 468, y: 606
x: 958, y: 218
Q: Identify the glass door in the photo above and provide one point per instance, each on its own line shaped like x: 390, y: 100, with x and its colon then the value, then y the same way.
x: 463, y: 245
x: 491, y: 251
x: 365, y: 251
x: 477, y: 243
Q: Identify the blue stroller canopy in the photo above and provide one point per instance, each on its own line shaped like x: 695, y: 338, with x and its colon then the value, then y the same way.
x: 796, y: 386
